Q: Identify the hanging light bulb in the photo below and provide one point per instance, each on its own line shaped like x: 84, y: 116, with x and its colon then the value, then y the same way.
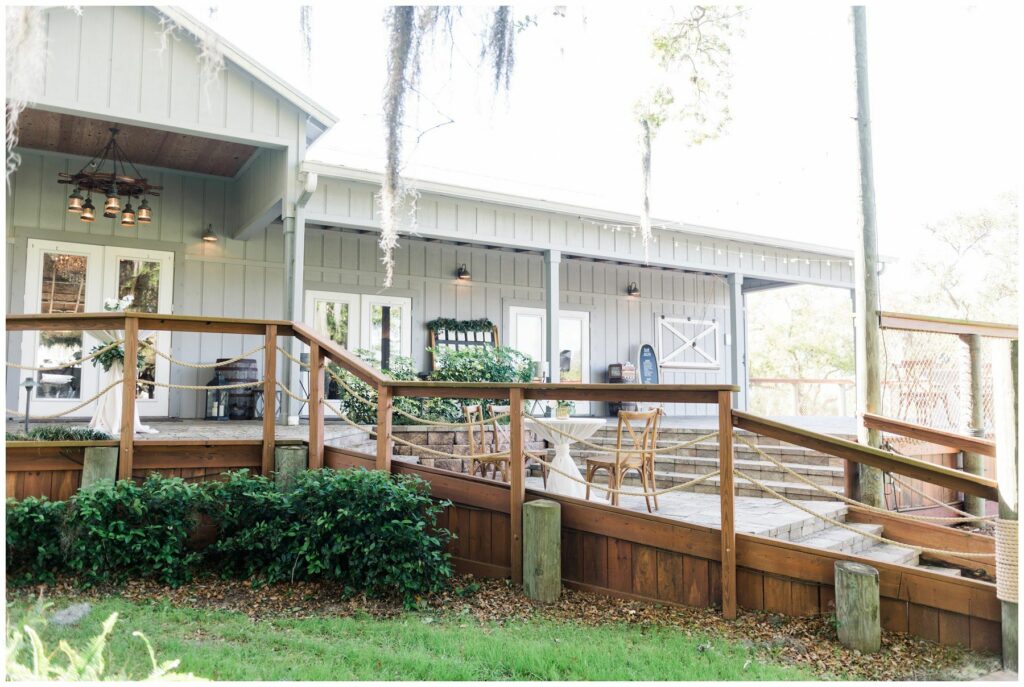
x: 145, y: 212
x: 113, y: 204
x: 88, y: 210
x: 209, y: 235
x: 128, y: 216
x: 75, y: 201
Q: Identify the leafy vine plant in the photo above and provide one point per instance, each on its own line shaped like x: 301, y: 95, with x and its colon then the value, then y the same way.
x: 694, y: 54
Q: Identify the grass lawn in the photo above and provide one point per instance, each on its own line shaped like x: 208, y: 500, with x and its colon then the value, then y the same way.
x: 228, y: 645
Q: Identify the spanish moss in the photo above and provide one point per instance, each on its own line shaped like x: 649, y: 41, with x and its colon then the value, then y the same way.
x: 499, y: 45
x: 26, y: 63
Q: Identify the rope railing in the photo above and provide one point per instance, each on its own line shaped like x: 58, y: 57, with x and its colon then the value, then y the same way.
x: 201, y: 387
x: 69, y: 410
x: 836, y: 523
x: 927, y: 497
x: 73, y: 363
x: 854, y: 502
x: 609, y: 449
x: 199, y: 366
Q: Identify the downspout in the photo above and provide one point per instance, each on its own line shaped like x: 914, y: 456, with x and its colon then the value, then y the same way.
x: 295, y: 252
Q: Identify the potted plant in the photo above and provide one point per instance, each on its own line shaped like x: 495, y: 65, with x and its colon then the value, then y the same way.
x: 563, y: 409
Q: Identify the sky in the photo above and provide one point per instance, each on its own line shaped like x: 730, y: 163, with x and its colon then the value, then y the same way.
x: 945, y: 98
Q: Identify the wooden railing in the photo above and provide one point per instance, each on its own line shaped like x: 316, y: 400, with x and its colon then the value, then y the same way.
x: 939, y: 437
x: 517, y: 395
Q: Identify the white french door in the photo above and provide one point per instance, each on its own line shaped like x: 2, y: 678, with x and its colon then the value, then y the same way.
x: 528, y: 335
x: 63, y: 277
x: 355, y: 321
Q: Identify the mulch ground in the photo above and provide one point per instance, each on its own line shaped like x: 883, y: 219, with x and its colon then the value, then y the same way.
x: 807, y: 642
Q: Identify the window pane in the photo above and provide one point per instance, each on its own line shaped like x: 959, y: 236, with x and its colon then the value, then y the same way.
x: 570, y: 344
x: 141, y: 279
x: 62, y: 291
x: 530, y: 336
x: 377, y: 328
x: 331, y: 320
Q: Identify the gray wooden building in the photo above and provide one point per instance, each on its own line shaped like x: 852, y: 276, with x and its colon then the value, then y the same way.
x: 295, y: 236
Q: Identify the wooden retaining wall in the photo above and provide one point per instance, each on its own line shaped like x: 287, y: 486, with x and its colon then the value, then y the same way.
x: 652, y: 558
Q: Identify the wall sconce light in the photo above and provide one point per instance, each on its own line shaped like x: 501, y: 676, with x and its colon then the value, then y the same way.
x: 632, y: 289
x: 209, y: 235
x: 463, y: 273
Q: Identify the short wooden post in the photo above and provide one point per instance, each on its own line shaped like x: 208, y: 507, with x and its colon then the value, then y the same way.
x: 726, y: 491
x: 316, y: 407
x: 385, y: 400
x: 857, y: 607
x: 517, y: 483
x: 289, y: 461
x: 99, y: 464
x: 269, y: 397
x: 129, y: 376
x: 542, y: 550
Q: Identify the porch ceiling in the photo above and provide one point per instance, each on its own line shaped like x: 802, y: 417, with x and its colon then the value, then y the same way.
x: 74, y: 135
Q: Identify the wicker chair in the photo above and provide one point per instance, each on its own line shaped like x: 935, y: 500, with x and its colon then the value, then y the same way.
x: 479, y: 446
x: 639, y: 456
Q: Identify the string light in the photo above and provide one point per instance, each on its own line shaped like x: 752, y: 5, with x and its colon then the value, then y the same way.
x: 727, y: 253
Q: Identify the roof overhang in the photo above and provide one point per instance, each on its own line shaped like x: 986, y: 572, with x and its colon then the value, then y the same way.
x: 612, y: 217
x: 320, y: 118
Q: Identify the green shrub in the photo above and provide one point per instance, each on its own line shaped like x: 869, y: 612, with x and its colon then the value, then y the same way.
x: 367, y: 530
x: 482, y: 364
x: 122, y: 530
x: 59, y: 433
x: 443, y: 409
x: 33, y: 539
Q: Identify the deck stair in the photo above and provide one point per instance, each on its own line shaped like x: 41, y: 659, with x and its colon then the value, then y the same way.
x: 686, y: 464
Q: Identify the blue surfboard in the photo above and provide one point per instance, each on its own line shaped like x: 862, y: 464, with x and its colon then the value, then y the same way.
x: 647, y: 365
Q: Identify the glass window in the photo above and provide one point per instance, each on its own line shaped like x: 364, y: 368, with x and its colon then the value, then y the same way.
x: 377, y: 328
x: 141, y: 279
x: 62, y: 291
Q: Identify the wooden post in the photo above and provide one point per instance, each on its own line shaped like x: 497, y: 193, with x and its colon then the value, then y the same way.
x: 289, y: 461
x: 316, y: 407
x: 269, y: 397
x: 869, y: 371
x: 542, y: 550
x: 385, y: 400
x: 973, y: 422
x: 857, y: 607
x: 517, y: 484
x: 99, y: 463
x: 129, y: 376
x: 726, y: 491
x: 1005, y: 372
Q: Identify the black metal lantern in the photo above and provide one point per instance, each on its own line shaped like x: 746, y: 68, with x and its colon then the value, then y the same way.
x: 217, y: 399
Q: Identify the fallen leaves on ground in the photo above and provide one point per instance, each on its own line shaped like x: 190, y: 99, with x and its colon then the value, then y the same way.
x: 807, y: 642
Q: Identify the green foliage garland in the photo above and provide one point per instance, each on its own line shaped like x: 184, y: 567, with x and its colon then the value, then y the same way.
x: 446, y: 324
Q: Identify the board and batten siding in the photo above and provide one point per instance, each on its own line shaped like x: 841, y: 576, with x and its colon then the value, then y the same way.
x: 348, y: 203
x: 229, y: 278
x: 120, y: 62
x: 347, y: 262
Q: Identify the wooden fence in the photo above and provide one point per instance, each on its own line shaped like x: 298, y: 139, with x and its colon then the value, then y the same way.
x: 605, y: 549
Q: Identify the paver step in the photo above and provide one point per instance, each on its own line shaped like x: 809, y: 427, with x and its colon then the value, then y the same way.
x: 834, y: 538
x: 891, y: 553
x: 792, y: 490
x: 709, y: 449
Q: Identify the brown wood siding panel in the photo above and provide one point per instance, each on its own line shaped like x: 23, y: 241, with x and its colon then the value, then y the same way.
x: 595, y: 559
x: 986, y: 635
x: 776, y: 594
x: 954, y: 629
x: 826, y: 599
x: 750, y: 589
x: 501, y: 552
x: 894, y: 615
x: 670, y: 577
x: 715, y: 584
x: 620, y: 565
x: 572, y: 555
x: 37, y: 484
x: 695, y: 582
x: 923, y: 621
x: 803, y: 599
x: 65, y: 484
x: 645, y: 571
x: 208, y: 456
x: 479, y: 536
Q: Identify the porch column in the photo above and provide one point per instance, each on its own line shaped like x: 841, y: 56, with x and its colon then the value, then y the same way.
x: 738, y: 338
x: 552, y: 261
x: 294, y: 257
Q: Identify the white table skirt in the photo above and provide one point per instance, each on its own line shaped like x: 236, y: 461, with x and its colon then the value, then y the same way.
x: 579, y: 427
x: 107, y: 416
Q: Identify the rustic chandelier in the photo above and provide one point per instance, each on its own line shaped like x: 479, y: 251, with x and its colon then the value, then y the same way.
x: 112, y: 185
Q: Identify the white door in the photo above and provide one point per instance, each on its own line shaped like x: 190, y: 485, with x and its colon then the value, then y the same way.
x: 401, y: 323
x: 148, y: 275
x: 336, y: 317
x: 65, y: 277
x: 528, y: 334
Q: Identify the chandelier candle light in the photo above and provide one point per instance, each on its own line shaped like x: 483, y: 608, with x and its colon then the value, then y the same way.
x: 113, y: 184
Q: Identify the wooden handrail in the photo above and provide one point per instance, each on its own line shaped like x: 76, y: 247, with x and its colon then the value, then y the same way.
x: 857, y: 453
x: 945, y: 325
x: 941, y: 437
x: 678, y: 393
x: 332, y: 351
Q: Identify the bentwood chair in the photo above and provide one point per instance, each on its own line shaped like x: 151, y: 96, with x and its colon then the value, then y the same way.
x: 503, y: 441
x: 479, y: 447
x: 636, y: 454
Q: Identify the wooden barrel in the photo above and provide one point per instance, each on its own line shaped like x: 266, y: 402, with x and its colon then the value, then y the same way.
x: 241, y: 402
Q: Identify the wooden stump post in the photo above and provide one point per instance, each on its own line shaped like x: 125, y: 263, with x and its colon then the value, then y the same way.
x: 100, y: 463
x: 542, y: 550
x: 857, y: 607
x: 289, y: 461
